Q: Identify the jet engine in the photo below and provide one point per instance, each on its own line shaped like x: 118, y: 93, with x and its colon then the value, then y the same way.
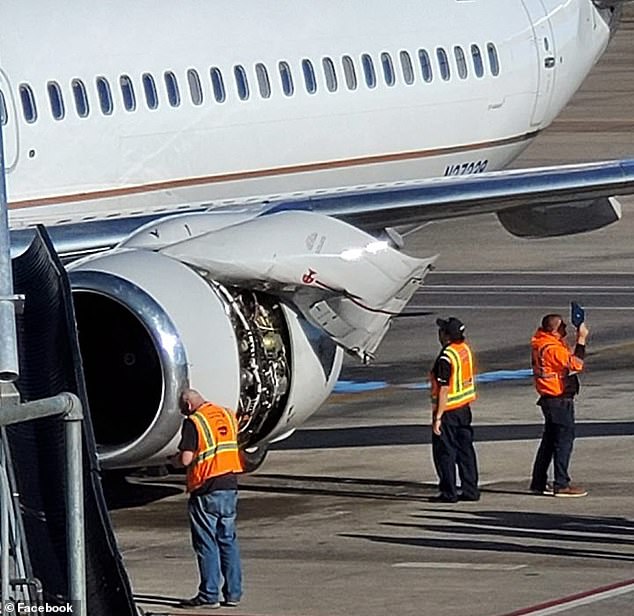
x: 256, y: 322
x: 149, y: 325
x: 540, y: 221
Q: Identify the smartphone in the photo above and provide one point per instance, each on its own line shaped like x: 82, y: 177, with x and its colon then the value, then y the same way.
x: 577, y: 314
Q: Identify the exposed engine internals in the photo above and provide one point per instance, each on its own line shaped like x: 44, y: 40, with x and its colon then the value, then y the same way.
x: 125, y: 372
x: 265, y: 371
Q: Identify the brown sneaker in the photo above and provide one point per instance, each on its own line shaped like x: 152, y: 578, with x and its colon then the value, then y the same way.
x: 570, y: 492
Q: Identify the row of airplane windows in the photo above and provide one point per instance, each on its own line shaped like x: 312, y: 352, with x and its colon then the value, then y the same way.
x: 442, y: 65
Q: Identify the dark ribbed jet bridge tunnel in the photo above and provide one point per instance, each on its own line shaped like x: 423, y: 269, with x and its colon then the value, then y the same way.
x: 50, y: 363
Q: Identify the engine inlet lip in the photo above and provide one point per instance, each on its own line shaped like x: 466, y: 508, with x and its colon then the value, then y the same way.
x: 169, y: 348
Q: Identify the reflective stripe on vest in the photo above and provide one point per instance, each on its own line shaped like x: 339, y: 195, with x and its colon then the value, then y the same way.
x: 217, y: 452
x: 462, y: 382
x: 461, y: 389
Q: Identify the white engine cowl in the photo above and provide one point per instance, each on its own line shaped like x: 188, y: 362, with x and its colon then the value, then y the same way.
x: 149, y: 325
x: 253, y: 311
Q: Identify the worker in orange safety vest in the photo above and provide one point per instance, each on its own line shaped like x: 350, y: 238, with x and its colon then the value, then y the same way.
x: 452, y: 383
x: 209, y: 451
x: 555, y: 368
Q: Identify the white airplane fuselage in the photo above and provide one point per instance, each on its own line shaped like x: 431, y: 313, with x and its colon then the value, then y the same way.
x: 310, y: 127
x: 457, y: 87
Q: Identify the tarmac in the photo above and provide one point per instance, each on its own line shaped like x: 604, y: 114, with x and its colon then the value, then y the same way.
x: 338, y: 521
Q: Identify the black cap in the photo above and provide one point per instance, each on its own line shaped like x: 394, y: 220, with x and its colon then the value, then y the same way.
x: 453, y: 327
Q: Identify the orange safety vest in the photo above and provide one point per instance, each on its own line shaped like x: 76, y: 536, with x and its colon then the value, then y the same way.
x: 552, y: 362
x: 217, y: 451
x: 462, y: 380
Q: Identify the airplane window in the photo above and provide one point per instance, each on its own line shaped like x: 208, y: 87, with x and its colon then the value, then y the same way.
x: 28, y: 103
x: 127, y: 92
x: 171, y: 85
x: 105, y: 95
x: 425, y: 65
x: 406, y: 67
x: 330, y: 73
x: 443, y: 63
x: 55, y: 99
x: 478, y: 65
x: 195, y: 88
x: 494, y: 62
x: 368, y: 70
x: 241, y: 82
x: 349, y: 73
x: 81, y: 98
x: 309, y: 76
x: 264, y: 84
x: 287, y: 78
x: 217, y: 84
x: 4, y: 116
x: 149, y: 87
x: 388, y: 68
x: 461, y: 62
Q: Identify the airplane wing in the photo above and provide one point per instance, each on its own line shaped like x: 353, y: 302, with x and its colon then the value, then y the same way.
x: 533, y: 202
x: 524, y: 193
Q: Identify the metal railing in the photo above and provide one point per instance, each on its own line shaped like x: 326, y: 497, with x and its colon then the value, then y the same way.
x: 19, y: 578
x: 11, y: 412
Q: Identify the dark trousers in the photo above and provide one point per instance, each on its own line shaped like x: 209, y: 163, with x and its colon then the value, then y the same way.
x: 454, y: 447
x: 557, y: 441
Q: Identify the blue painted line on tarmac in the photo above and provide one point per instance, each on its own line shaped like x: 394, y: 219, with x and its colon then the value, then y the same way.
x: 353, y: 387
x: 350, y: 387
x: 504, y: 375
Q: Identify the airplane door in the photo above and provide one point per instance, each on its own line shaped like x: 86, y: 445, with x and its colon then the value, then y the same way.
x: 8, y: 120
x: 545, y: 49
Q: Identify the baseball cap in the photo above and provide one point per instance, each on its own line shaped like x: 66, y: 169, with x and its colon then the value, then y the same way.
x: 451, y: 326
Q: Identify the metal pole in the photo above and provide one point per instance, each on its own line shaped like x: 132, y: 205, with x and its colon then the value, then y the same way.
x: 75, y: 514
x: 9, y: 367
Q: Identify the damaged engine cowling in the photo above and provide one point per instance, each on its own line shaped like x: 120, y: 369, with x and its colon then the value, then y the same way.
x: 149, y: 325
x: 254, y: 320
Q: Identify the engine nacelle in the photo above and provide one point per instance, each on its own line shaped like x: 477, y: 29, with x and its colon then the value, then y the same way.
x: 222, y: 303
x: 564, y: 219
x: 149, y: 325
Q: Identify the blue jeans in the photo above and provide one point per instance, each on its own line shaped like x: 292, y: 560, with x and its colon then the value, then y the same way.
x: 557, y: 441
x: 212, y: 517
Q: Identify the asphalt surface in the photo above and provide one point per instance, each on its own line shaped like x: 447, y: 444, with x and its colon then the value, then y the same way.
x: 337, y: 520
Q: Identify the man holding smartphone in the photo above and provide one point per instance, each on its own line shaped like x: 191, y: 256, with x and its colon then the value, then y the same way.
x: 555, y: 368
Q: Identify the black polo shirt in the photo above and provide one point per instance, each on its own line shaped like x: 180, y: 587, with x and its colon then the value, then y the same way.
x: 442, y: 369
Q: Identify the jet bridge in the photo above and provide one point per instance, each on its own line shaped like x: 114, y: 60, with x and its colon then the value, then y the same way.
x: 49, y: 363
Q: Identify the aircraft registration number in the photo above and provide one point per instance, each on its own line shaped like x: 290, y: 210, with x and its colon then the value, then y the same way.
x: 474, y: 166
